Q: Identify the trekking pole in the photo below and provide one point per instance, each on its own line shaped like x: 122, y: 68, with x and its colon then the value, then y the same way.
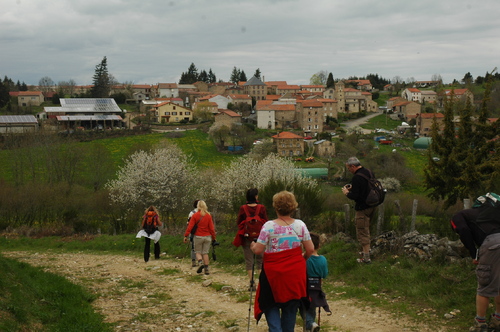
x: 251, y: 289
x: 319, y: 316
x: 187, y: 247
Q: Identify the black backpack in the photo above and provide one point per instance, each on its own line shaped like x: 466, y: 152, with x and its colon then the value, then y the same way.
x: 376, y: 193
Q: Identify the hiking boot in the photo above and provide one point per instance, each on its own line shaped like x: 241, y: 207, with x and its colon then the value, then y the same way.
x: 479, y: 327
x: 315, y: 327
x: 364, y: 261
x: 494, y: 324
x: 206, y: 270
x: 193, y: 263
x: 200, y: 267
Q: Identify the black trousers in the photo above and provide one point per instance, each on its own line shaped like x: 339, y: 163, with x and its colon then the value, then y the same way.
x: 147, y: 248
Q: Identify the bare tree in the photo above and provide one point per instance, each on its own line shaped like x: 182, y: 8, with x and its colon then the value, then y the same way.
x: 46, y: 84
x: 319, y: 78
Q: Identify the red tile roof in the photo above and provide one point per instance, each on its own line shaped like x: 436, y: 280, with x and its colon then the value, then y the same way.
x: 228, y: 112
x: 286, y: 135
x: 288, y: 87
x: 311, y: 103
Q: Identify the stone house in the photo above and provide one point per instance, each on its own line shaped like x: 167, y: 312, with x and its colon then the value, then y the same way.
x: 227, y: 118
x: 284, y: 89
x: 324, y: 148
x: 273, y: 85
x: 428, y: 96
x: 206, y: 106
x: 412, y: 94
x: 363, y: 85
x: 255, y: 88
x: 393, y: 101
x: 168, y: 112
x: 313, y: 88
x: 310, y: 116
x: 407, y: 109
x: 167, y: 90
x: 220, y: 100
x: 30, y: 98
x: 289, y: 144
x: 236, y: 99
x: 425, y: 121
x: 460, y: 96
x: 351, y: 100
x: 272, y: 115
x: 329, y: 93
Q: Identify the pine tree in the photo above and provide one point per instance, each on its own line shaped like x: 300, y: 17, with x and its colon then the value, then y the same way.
x: 101, y: 81
x: 4, y: 94
x: 330, y: 82
x: 203, y: 76
x: 235, y: 75
x: 441, y: 174
x: 192, y: 74
x: 243, y: 77
x: 257, y: 73
x: 211, y: 76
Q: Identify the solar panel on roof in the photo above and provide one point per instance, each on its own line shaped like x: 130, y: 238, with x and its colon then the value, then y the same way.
x: 18, y: 119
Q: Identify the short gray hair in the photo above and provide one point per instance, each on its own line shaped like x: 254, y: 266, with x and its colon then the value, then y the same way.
x: 353, y: 161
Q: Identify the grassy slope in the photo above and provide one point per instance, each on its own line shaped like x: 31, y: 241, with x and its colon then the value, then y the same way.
x: 34, y: 300
x: 422, y: 290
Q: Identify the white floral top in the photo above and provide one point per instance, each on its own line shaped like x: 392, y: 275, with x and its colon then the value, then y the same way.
x: 278, y: 238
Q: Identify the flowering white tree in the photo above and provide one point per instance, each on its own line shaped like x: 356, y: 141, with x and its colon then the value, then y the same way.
x: 162, y: 177
x: 227, y: 190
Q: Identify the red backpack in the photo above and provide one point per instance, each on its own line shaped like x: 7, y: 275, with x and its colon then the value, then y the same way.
x: 151, y: 222
x: 252, y: 223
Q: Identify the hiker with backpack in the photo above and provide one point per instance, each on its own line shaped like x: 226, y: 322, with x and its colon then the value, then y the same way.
x: 317, y: 270
x: 479, y: 230
x: 191, y: 238
x: 201, y: 226
x: 150, y: 223
x: 251, y: 218
x: 359, y: 191
x: 282, y: 282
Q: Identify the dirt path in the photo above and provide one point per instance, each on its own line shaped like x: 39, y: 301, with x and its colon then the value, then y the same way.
x: 167, y: 295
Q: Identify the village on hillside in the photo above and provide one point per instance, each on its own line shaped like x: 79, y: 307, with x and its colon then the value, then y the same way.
x: 295, y: 112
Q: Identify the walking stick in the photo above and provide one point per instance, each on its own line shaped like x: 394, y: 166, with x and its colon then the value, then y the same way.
x: 319, y: 316
x: 251, y: 290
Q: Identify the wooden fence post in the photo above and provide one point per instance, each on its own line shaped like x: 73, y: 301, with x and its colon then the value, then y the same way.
x: 380, y: 219
x: 402, y: 222
x: 346, y: 216
x: 414, y: 215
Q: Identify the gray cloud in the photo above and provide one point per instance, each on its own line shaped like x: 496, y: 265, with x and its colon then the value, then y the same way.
x: 155, y: 41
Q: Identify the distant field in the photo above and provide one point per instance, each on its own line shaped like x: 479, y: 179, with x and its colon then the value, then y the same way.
x: 195, y: 143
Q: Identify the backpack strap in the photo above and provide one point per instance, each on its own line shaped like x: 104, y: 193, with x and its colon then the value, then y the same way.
x: 257, y: 209
x: 366, y: 177
x: 245, y: 209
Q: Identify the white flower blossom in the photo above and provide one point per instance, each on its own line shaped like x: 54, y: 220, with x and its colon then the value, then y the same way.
x: 162, y: 178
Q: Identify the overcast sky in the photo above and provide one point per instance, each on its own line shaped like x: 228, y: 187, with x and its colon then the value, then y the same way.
x: 152, y: 41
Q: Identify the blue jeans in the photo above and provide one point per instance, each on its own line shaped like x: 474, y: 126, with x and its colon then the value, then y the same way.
x: 284, y: 322
x: 310, y: 316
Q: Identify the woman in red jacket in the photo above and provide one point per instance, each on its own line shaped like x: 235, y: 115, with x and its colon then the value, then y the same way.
x: 204, y: 235
x: 244, y: 238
